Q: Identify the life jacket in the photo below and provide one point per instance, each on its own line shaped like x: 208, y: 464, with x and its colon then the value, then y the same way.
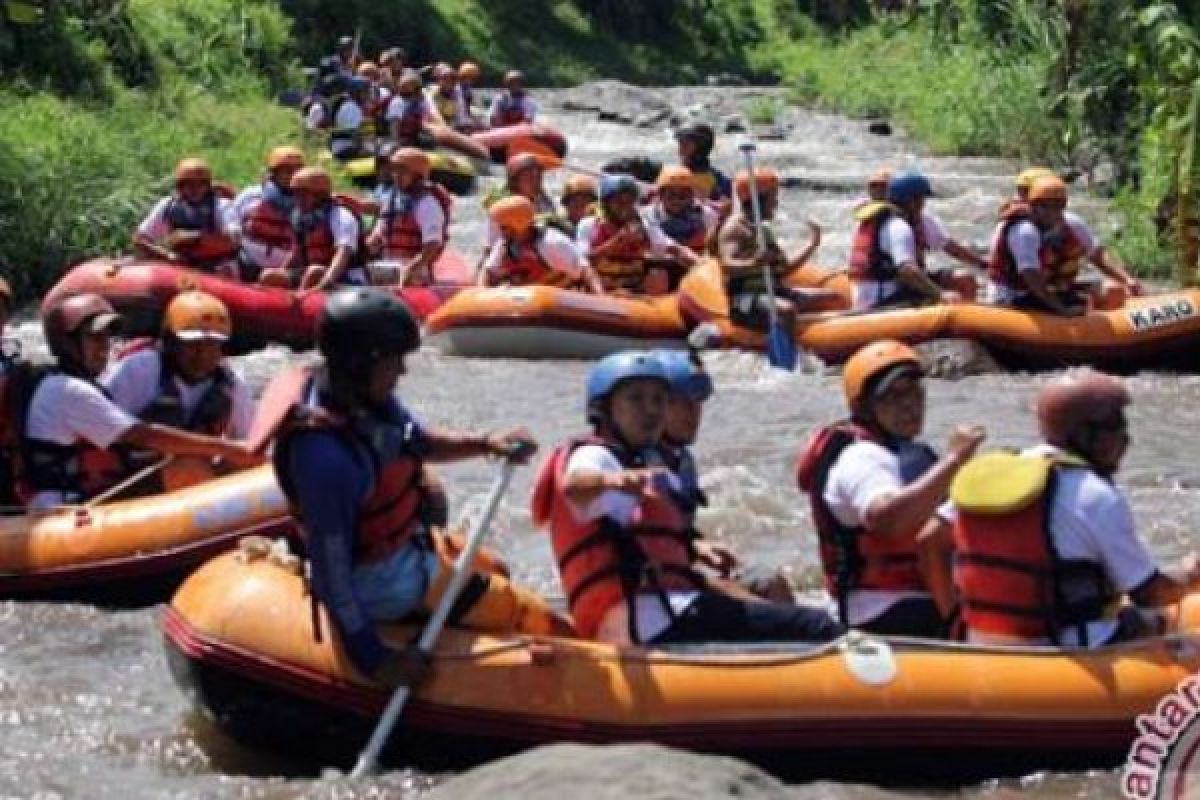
x: 754, y: 282
x: 18, y: 381
x: 524, y: 265
x: 268, y: 220
x: 411, y: 121
x: 314, y: 233
x: 402, y: 232
x: 602, y: 564
x: 688, y: 228
x: 211, y: 416
x: 679, y: 459
x: 213, y: 247
x: 851, y: 558
x: 1060, y: 252
x: 509, y: 111
x: 868, y: 261
x: 1010, y: 578
x: 392, y: 514
x: 446, y: 105
x: 624, y: 268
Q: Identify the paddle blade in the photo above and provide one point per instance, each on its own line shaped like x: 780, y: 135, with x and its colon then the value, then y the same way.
x: 781, y: 350
x: 545, y: 156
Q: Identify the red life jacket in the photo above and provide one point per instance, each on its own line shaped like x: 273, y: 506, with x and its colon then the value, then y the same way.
x: 524, y: 265
x: 868, y: 261
x: 268, y: 225
x: 850, y: 557
x: 402, y: 232
x: 392, y: 513
x: 411, y: 122
x: 625, y: 267
x: 1059, y: 253
x: 688, y: 228
x: 211, y: 416
x: 317, y: 245
x: 508, y: 112
x: 601, y: 564
x: 1010, y: 579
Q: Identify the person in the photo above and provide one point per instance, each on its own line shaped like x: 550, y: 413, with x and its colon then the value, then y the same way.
x: 346, y: 54
x: 376, y: 101
x: 872, y: 485
x: 532, y: 253
x: 1038, y: 248
x: 1043, y: 541
x: 618, y: 239
x: 524, y: 176
x: 622, y: 536
x: 414, y: 220
x: 695, y: 142
x: 887, y: 254
x: 70, y: 425
x: 742, y: 260
x: 349, y: 119
x: 677, y: 212
x: 326, y: 237
x: 513, y: 106
x: 349, y: 456
x: 444, y: 95
x: 579, y: 197
x: 261, y: 216
x: 11, y: 367
x: 409, y: 112
x: 191, y: 225
x: 468, y: 76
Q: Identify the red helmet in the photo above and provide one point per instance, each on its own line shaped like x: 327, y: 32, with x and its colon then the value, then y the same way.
x: 1078, y: 399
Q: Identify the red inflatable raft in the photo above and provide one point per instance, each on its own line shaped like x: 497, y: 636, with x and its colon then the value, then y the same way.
x: 497, y: 140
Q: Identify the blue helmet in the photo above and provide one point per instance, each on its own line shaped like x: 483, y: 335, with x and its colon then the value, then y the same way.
x: 908, y: 186
x: 611, y: 370
x: 615, y: 184
x: 685, y: 376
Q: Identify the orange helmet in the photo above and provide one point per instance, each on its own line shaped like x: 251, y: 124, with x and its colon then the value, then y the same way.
x: 285, y: 156
x: 514, y: 76
x: 512, y: 214
x: 194, y: 316
x: 521, y: 162
x: 443, y: 70
x: 410, y: 81
x: 1077, y: 399
x: 368, y: 69
x: 765, y: 178
x: 1027, y: 177
x: 313, y: 179
x: 468, y: 71
x: 580, y: 184
x: 1048, y: 187
x: 880, y: 177
x: 412, y: 159
x: 676, y: 177
x: 193, y: 169
x: 866, y: 369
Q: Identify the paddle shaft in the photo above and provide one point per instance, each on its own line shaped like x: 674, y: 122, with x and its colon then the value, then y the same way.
x: 760, y: 234
x: 132, y: 480
x: 369, y: 758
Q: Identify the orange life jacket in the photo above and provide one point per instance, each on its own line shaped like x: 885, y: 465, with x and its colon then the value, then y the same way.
x: 1010, y: 579
x: 602, y: 564
x: 851, y: 558
x: 624, y: 267
x: 268, y: 225
x: 1059, y: 253
x: 316, y: 241
x: 868, y: 261
x: 402, y: 232
x: 524, y: 265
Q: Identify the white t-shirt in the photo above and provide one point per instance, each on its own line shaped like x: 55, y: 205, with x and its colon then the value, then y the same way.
x: 555, y: 248
x: 255, y: 252
x: 156, y: 228
x: 528, y: 106
x: 896, y: 239
x: 397, y: 107
x: 133, y: 383
x: 430, y: 217
x: 652, y: 618
x: 1090, y: 520
x: 344, y: 227
x: 349, y: 119
x: 66, y: 411
x: 1024, y: 240
x: 863, y: 472
x: 659, y: 245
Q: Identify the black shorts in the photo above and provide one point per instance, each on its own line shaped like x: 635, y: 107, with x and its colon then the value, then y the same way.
x: 913, y: 616
x: 717, y: 617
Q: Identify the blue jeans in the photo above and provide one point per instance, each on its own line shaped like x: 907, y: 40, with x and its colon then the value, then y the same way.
x: 394, y: 588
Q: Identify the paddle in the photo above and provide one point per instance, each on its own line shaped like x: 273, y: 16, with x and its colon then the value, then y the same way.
x: 132, y: 480
x: 551, y: 160
x: 368, y: 760
x: 781, y: 349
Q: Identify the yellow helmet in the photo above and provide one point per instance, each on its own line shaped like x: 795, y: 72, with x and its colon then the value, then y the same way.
x: 468, y: 71
x: 580, y: 184
x: 193, y: 169
x: 194, y: 316
x: 368, y: 69
x: 1048, y: 187
x: 1027, y: 177
x: 512, y: 214
x: 676, y: 177
x: 313, y: 179
x: 285, y: 156
x: 868, y: 364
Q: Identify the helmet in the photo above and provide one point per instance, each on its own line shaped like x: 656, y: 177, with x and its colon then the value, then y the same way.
x: 675, y: 177
x: 410, y: 81
x: 77, y: 314
x: 579, y: 184
x: 344, y: 42
x: 368, y: 70
x: 908, y: 186
x: 880, y: 177
x: 413, y: 159
x: 468, y: 71
x: 313, y: 179
x: 443, y: 70
x: 612, y: 185
x: 285, y: 156
x: 359, y: 324
x: 1048, y: 187
x: 765, y: 180
x: 1076, y: 399
x: 611, y: 371
x: 701, y: 134
x: 521, y: 162
x: 514, y: 76
x: 1027, y: 177
x: 513, y: 213
x: 193, y: 169
x: 866, y: 369
x: 391, y: 54
x: 193, y: 316
x: 685, y: 375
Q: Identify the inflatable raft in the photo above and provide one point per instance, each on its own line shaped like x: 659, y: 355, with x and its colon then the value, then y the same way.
x: 1159, y: 331
x: 134, y: 552
x: 497, y: 140
x: 453, y: 171
x: 141, y: 290
x: 547, y: 322
x: 240, y: 639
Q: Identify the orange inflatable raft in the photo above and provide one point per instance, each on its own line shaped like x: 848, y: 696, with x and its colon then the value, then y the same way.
x: 240, y: 639
x: 1160, y: 331
x: 134, y: 552
x: 547, y: 322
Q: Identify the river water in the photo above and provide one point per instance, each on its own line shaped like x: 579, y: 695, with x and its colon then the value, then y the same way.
x: 87, y: 708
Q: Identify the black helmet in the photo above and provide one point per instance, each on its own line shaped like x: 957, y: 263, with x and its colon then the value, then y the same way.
x: 699, y: 133
x: 359, y: 325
